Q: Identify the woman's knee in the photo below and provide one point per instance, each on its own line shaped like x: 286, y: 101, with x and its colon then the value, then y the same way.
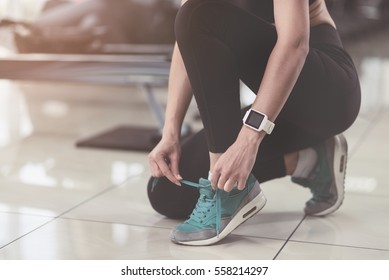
x: 170, y: 200
x: 194, y: 13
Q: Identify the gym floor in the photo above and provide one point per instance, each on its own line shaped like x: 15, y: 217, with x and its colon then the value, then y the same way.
x: 58, y: 201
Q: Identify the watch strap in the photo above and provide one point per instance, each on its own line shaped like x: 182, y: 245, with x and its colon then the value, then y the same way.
x: 268, y: 127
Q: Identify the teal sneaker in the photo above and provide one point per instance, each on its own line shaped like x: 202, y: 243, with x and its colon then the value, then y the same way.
x: 218, y: 213
x: 326, y: 180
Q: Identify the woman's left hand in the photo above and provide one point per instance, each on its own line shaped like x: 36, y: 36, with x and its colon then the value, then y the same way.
x: 234, y: 166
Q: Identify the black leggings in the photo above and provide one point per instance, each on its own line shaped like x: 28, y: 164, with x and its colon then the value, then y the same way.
x: 222, y: 43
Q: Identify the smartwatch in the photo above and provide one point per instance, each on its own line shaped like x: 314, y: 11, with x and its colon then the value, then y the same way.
x: 258, y: 121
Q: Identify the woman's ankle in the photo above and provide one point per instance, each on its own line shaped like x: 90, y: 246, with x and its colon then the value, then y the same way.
x: 291, y: 161
x: 301, y: 163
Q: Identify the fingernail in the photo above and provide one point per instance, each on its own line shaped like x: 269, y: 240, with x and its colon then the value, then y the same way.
x: 179, y: 177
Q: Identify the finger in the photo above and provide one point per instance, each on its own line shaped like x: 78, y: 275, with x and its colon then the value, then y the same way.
x: 214, y: 179
x: 230, y: 184
x: 155, y: 171
x: 164, y: 167
x: 242, y: 183
x: 174, y: 167
x: 222, y: 182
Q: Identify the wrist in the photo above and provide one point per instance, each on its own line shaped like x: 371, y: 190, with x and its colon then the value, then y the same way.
x: 251, y: 136
x: 171, y: 134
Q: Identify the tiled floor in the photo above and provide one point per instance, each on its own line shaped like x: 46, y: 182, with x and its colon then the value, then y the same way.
x: 62, y: 202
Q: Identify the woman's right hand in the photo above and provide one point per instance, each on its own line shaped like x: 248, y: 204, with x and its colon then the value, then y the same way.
x: 164, y: 160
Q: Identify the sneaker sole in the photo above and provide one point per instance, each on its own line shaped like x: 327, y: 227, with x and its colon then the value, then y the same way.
x: 247, y: 211
x: 339, y: 173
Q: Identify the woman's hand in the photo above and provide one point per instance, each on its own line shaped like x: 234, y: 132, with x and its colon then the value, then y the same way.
x: 234, y: 166
x: 164, y: 160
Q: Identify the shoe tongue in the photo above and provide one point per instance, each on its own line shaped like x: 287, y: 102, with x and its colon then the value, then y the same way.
x: 207, y: 188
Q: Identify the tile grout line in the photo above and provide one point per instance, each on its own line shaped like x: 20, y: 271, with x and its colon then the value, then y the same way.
x: 289, y: 237
x: 339, y: 245
x: 31, y: 231
x: 159, y: 227
x: 116, y: 223
x: 90, y: 198
x: 321, y: 243
x: 318, y: 243
x: 155, y: 227
x: 95, y: 196
x: 67, y: 211
x: 25, y: 214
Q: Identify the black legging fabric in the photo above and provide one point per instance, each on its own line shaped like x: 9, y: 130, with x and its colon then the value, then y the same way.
x: 222, y: 43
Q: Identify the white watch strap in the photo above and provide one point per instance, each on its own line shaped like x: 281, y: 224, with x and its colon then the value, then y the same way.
x: 268, y: 127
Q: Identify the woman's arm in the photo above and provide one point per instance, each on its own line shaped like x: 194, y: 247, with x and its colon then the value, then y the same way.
x: 286, y: 60
x: 164, y: 159
x: 282, y: 71
x: 179, y: 97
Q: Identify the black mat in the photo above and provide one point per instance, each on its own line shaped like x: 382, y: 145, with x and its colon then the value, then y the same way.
x: 126, y: 138
x: 123, y: 138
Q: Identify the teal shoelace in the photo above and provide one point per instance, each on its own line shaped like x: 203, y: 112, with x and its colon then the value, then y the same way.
x: 202, y: 203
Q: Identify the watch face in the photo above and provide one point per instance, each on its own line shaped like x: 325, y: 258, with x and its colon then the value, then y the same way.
x: 254, y: 119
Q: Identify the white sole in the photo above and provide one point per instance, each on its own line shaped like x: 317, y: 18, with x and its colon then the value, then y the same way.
x: 248, y: 211
x: 339, y: 172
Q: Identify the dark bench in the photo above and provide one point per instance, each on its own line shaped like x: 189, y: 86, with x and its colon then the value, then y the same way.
x: 144, y: 66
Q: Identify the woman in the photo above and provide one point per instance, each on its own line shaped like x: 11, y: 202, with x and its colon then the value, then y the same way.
x: 288, y: 53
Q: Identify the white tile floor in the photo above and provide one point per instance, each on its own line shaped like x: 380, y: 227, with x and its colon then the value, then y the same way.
x: 62, y: 202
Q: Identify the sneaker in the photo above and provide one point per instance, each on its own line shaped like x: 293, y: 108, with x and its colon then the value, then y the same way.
x: 218, y: 213
x: 326, y: 180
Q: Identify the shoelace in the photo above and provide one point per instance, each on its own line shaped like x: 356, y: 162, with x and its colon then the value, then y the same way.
x: 199, y: 186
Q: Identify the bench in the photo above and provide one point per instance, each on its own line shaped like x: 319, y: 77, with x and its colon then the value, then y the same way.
x: 143, y: 66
